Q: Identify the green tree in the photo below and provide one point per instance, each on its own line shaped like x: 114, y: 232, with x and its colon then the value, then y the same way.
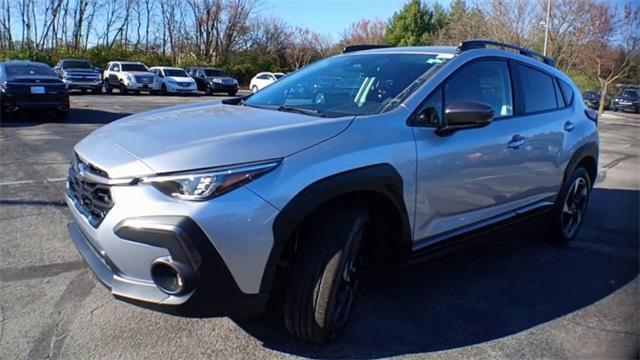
x: 412, y: 25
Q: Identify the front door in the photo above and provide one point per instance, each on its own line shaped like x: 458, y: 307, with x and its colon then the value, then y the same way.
x: 469, y: 175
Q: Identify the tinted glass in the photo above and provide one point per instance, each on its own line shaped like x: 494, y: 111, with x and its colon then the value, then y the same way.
x: 278, y: 76
x: 213, y: 72
x: 486, y: 82
x: 76, y: 64
x: 431, y: 111
x: 559, y: 98
x: 29, y: 69
x: 538, y: 92
x: 630, y: 94
x: 359, y: 84
x: 567, y: 92
x: 175, y: 72
x: 133, y: 67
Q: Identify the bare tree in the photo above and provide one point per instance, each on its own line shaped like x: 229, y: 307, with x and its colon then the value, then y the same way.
x: 365, y: 31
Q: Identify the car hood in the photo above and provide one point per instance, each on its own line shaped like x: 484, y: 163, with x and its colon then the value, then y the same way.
x: 211, y: 134
x: 79, y: 70
x: 223, y: 78
x: 180, y: 78
x: 139, y: 73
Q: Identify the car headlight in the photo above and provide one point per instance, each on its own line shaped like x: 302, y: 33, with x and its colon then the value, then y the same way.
x: 206, y: 184
x: 217, y: 81
x: 171, y: 81
x: 128, y: 77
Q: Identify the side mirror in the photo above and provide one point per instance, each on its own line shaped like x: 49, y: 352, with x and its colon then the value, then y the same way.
x: 465, y: 114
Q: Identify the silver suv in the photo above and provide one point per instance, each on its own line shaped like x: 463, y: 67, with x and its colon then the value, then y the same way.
x: 368, y: 156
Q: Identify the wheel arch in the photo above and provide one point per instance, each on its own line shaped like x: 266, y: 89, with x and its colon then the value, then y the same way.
x: 586, y: 156
x: 378, y: 186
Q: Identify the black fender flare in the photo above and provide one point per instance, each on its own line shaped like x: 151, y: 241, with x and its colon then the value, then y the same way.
x: 585, y: 151
x: 381, y: 178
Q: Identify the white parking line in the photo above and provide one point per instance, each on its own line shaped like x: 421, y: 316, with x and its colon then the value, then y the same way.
x: 21, y: 182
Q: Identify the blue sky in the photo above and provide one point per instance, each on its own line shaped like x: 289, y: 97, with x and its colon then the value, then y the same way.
x: 333, y: 16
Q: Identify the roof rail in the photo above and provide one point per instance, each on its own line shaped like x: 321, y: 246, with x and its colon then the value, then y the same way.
x: 352, y: 48
x: 484, y: 44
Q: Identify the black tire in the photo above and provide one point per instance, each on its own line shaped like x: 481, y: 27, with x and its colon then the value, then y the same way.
x: 96, y: 91
x: 107, y: 87
x: 324, y: 278
x: 208, y: 90
x: 122, y: 88
x: 163, y: 89
x: 254, y: 89
x: 567, y: 215
x: 61, y: 114
x: 233, y: 93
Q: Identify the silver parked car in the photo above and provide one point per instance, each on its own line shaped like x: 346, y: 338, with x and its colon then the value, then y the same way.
x: 212, y: 208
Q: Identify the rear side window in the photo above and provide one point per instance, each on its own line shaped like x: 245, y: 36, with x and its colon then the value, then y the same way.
x: 484, y: 81
x: 538, y: 91
x: 567, y: 92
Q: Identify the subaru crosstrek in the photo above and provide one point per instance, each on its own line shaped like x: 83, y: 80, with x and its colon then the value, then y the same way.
x: 214, y: 208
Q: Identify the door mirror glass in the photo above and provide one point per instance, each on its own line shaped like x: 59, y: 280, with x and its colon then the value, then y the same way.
x: 463, y: 114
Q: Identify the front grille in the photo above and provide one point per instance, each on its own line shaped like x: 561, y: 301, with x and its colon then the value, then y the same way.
x: 144, y: 79
x: 92, y: 199
x: 184, y: 84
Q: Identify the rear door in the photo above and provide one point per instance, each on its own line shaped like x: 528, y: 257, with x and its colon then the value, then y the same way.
x: 543, y: 120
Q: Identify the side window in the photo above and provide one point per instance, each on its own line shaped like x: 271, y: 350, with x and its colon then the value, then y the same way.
x: 484, y: 81
x: 431, y: 110
x: 538, y: 93
x: 567, y: 92
x: 559, y: 98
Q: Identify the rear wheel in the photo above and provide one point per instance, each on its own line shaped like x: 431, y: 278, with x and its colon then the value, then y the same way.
x: 570, y: 208
x: 325, y: 275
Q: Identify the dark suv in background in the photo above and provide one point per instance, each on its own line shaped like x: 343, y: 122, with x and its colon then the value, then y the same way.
x: 629, y: 100
x: 31, y: 85
x: 79, y: 74
x: 211, y: 80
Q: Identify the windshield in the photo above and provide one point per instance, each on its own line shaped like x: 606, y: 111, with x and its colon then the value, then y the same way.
x: 278, y: 76
x: 175, y: 72
x: 358, y: 84
x: 630, y: 94
x: 29, y: 69
x: 76, y: 64
x: 134, y: 67
x: 213, y: 72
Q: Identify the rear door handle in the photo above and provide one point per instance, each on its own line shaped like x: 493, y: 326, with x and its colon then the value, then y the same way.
x: 516, y: 142
x: 568, y: 126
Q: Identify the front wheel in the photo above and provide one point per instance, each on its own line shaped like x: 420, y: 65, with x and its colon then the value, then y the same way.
x: 254, y: 89
x: 570, y: 208
x: 107, y: 87
x: 123, y: 89
x: 325, y: 274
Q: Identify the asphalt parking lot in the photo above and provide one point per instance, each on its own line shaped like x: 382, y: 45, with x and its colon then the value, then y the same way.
x: 508, y: 295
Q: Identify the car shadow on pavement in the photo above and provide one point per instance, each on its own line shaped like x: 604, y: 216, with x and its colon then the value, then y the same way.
x: 501, y: 284
x: 75, y: 116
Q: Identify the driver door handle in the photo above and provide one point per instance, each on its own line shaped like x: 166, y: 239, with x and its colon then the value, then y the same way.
x: 516, y: 142
x: 568, y: 126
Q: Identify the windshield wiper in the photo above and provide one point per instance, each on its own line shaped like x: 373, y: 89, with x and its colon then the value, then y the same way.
x: 299, y: 110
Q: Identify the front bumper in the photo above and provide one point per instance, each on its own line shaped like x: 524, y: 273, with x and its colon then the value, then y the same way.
x: 627, y: 107
x: 219, y: 87
x: 155, y: 86
x: 224, y: 243
x: 73, y: 85
x: 181, y: 89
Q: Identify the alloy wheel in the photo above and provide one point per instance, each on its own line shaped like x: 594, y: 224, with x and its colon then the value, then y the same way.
x: 575, y: 204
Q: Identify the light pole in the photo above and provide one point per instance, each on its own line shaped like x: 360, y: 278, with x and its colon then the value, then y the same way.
x: 546, y: 28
